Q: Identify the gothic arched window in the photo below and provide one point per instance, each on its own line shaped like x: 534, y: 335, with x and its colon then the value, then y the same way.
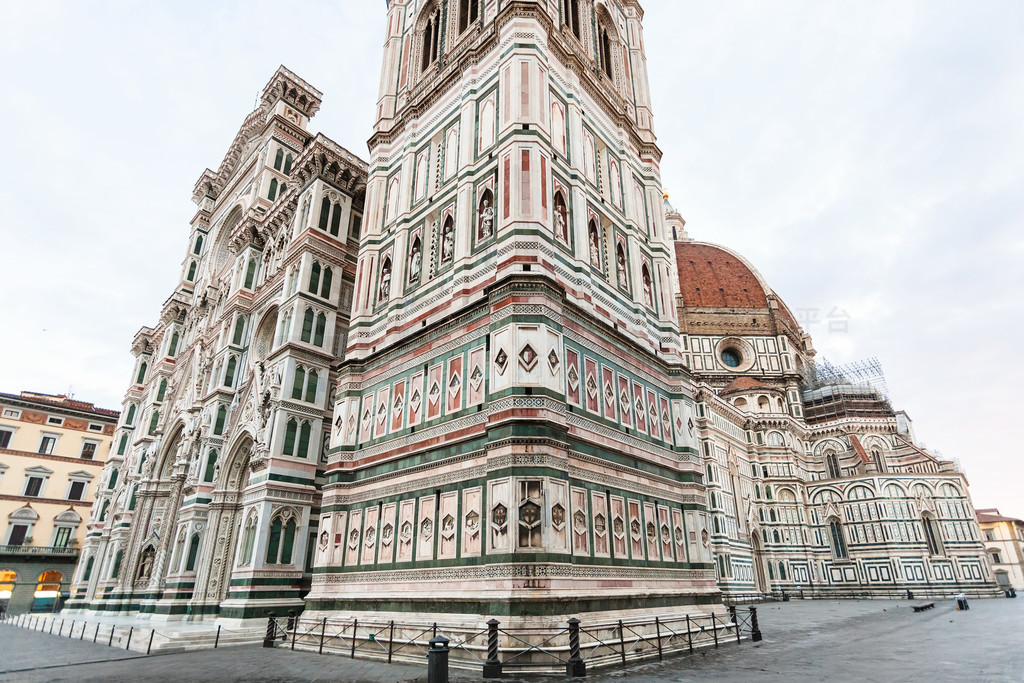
x: 272, y: 194
x: 431, y: 39
x: 314, y: 278
x: 250, y: 274
x: 325, y: 285
x: 325, y: 214
x: 299, y: 382
x: 835, y: 528
x: 307, y: 325
x: 278, y: 159
x: 571, y: 17
x: 469, y: 11
x: 932, y: 535
x: 606, y: 53
x: 321, y: 328
x: 193, y: 552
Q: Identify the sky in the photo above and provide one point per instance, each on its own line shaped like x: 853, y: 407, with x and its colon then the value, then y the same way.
x: 867, y: 157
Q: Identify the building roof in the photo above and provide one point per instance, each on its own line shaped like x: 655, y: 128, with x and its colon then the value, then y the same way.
x: 990, y: 515
x: 710, y: 276
x: 59, y: 401
x: 744, y: 384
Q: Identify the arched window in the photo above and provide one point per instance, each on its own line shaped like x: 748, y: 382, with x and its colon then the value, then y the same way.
x: 211, y: 465
x: 229, y: 373
x: 304, y: 214
x: 130, y: 418
x: 248, y: 540
x: 49, y: 582
x: 836, y: 536
x: 273, y: 189
x: 832, y: 464
x: 278, y: 159
x: 88, y: 569
x: 172, y: 349
x: 113, y: 479
x: 431, y: 40
x: 193, y: 552
x: 162, y: 391
x: 191, y: 272
x: 307, y: 325
x: 250, y: 274
x: 116, y: 571
x: 103, y: 510
x: 932, y: 535
x: 122, y: 444
x: 299, y: 382
x: 198, y: 248
x: 321, y: 329
x: 325, y: 286
x: 290, y: 434
x: 876, y: 456
x: 141, y: 377
x: 325, y: 214
x: 218, y: 426
x: 304, y: 433
x: 314, y: 278
x: 153, y: 420
x: 311, y: 386
x: 782, y: 571
x: 772, y: 515
x: 274, y: 541
x: 236, y: 338
x: 335, y: 219
x: 288, y: 542
x: 288, y: 164
x: 469, y: 11
x: 776, y: 537
x: 606, y: 53
x: 571, y: 17
x: 179, y: 553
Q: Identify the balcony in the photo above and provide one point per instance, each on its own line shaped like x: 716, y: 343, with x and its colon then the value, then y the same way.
x: 37, y: 550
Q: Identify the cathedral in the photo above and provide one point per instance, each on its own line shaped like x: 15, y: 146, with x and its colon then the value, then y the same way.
x: 487, y: 373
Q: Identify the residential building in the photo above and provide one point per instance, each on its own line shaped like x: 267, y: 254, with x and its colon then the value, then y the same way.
x: 1004, y: 546
x: 52, y: 452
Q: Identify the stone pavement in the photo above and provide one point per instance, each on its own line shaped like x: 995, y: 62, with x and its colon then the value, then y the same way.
x: 868, y: 640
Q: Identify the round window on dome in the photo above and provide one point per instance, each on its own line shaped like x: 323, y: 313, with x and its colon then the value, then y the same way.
x: 731, y: 358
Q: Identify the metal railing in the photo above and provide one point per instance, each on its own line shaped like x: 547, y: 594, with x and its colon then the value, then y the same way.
x: 38, y: 550
x: 493, y: 650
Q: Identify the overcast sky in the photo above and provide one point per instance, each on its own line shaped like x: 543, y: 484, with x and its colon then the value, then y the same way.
x: 868, y: 157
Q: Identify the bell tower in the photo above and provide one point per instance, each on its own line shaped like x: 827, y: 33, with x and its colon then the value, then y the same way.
x: 512, y: 408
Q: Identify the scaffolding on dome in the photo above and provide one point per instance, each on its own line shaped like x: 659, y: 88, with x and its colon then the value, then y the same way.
x: 853, y: 390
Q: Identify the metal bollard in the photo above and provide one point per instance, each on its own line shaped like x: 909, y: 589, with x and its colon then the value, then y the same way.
x: 492, y: 667
x: 437, y: 660
x: 735, y: 620
x: 575, y: 667
x: 271, y: 635
x: 755, y: 630
x: 291, y: 620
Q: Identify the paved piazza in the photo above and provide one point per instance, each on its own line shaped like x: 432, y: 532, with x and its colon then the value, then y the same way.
x: 811, y: 640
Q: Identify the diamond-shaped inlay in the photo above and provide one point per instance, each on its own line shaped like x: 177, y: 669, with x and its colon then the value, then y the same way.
x: 371, y: 535
x: 634, y: 528
x: 617, y: 526
x: 453, y: 384
x: 427, y: 528
x: 387, y: 533
x: 666, y: 535
x: 624, y: 400
x: 353, y: 539
x: 553, y: 361
x: 476, y: 377
x: 435, y: 393
x: 689, y: 425
x: 639, y: 408
x: 382, y: 412
x: 609, y: 394
x: 557, y: 516
x: 501, y: 361
x: 591, y: 386
x: 528, y: 358
x: 415, y: 400
x: 473, y: 522
x: 406, y: 532
x: 574, y: 377
x: 399, y: 404
x: 652, y: 532
x: 579, y: 522
x: 599, y: 523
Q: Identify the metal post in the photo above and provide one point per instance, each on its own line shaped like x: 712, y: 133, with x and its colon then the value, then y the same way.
x: 437, y: 660
x: 271, y: 634
x: 689, y: 636
x: 149, y: 647
x: 434, y: 633
x: 295, y: 631
x: 492, y: 667
x: 355, y: 630
x: 96, y: 635
x: 61, y: 629
x: 391, y: 640
x: 323, y: 632
x: 657, y: 632
x: 82, y: 637
x: 622, y: 643
x: 51, y: 626
x: 110, y: 643
x: 216, y: 641
x: 755, y: 630
x: 130, y: 631
x: 575, y: 667
x: 735, y: 621
x: 291, y: 619
x: 714, y: 629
